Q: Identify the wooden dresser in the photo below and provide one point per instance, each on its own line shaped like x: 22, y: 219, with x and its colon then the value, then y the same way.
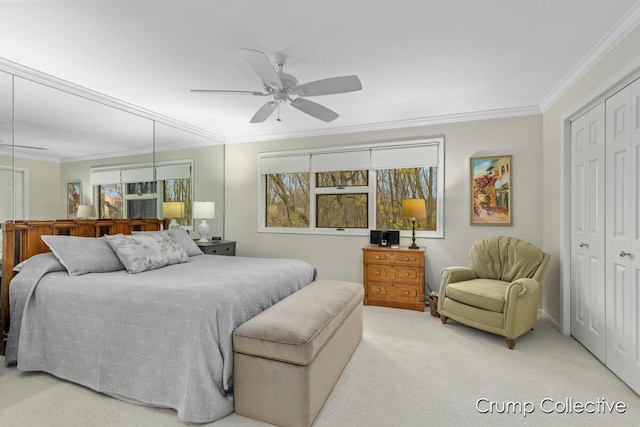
x: 394, y: 277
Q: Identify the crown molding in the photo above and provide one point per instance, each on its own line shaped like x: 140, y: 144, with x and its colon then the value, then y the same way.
x: 619, y: 31
x: 397, y: 124
x: 36, y: 76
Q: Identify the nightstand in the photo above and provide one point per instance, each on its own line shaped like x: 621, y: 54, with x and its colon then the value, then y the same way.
x: 394, y: 277
x: 218, y: 247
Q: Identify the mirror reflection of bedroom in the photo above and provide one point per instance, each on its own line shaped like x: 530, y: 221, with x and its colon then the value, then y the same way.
x: 319, y: 213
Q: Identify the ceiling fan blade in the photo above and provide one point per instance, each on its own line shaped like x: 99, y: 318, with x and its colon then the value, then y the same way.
x: 314, y: 109
x: 248, y: 92
x: 31, y: 147
x: 263, y: 67
x: 329, y: 86
x: 264, y: 112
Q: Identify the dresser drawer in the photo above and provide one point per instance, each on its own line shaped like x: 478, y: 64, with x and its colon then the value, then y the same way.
x: 404, y: 274
x: 408, y: 258
x: 379, y: 290
x: 380, y: 272
x: 379, y: 257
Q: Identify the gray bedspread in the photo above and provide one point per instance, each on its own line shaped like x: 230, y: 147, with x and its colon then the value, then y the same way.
x: 161, y: 338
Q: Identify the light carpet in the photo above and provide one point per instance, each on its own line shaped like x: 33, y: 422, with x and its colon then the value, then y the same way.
x: 409, y: 370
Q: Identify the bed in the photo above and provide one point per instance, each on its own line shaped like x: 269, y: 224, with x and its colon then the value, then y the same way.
x: 162, y: 337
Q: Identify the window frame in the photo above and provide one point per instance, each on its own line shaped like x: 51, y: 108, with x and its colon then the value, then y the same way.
x: 371, y: 190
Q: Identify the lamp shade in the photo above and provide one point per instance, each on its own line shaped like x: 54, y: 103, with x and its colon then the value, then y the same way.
x: 414, y: 208
x: 85, y: 211
x: 204, y: 210
x: 173, y: 209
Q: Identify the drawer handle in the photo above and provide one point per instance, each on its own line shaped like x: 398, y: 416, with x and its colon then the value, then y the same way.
x: 378, y: 290
x: 406, y: 273
x: 377, y: 257
x: 406, y: 292
x: 377, y: 271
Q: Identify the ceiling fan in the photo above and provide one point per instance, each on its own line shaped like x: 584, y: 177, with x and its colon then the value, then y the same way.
x: 30, y: 147
x: 283, y: 86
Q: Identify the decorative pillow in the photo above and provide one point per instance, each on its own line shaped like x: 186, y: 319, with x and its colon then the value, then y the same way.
x: 182, y: 237
x: 82, y: 255
x: 147, y: 251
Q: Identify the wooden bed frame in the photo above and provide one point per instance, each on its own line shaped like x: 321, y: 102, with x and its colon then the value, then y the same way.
x: 21, y: 240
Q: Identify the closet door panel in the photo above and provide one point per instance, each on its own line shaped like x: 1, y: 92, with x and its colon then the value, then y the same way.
x: 587, y: 244
x: 618, y: 296
x: 634, y: 242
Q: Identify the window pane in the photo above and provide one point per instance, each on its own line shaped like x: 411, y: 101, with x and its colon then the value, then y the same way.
x: 342, y: 210
x: 342, y: 179
x: 110, y: 203
x: 141, y: 188
x: 179, y: 190
x: 141, y: 208
x: 287, y: 200
x: 395, y: 185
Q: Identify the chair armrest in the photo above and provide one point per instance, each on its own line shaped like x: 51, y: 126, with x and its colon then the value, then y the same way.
x: 452, y: 275
x: 521, y: 301
x: 521, y: 288
x: 456, y: 274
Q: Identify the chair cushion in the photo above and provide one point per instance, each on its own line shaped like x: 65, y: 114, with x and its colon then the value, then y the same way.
x: 505, y: 258
x: 487, y: 294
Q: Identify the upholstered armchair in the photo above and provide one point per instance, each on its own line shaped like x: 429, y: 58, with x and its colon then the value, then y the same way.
x: 500, y: 290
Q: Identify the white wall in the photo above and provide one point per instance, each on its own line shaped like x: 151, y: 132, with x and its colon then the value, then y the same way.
x: 597, y: 80
x: 340, y: 257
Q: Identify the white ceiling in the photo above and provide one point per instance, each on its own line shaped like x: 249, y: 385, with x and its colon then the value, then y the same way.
x: 419, y: 60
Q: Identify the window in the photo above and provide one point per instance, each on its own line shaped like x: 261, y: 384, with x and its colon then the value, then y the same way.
x: 287, y: 200
x: 130, y: 192
x: 352, y: 189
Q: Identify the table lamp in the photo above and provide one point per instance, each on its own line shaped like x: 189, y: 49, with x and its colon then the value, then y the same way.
x: 85, y: 211
x: 173, y: 210
x: 204, y: 210
x: 414, y: 208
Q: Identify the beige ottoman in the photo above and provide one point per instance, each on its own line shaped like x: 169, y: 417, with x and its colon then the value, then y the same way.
x: 288, y: 358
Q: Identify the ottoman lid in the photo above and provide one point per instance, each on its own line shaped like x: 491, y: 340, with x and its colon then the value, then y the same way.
x: 295, y: 329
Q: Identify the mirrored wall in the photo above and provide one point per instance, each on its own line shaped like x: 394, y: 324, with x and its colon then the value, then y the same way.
x: 54, y: 144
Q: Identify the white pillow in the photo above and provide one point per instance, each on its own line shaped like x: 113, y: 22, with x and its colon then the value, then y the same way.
x: 82, y: 255
x: 147, y: 251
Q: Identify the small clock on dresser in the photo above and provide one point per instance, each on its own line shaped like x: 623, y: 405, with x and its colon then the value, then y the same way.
x: 218, y: 247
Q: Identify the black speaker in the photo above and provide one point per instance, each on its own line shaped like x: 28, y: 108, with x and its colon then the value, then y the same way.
x: 385, y: 237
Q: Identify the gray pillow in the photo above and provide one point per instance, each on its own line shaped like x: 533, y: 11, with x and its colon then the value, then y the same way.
x: 147, y: 251
x: 182, y: 237
x: 82, y: 255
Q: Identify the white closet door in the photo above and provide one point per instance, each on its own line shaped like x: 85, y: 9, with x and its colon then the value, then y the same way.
x: 634, y: 244
x: 621, y: 229
x: 588, y: 225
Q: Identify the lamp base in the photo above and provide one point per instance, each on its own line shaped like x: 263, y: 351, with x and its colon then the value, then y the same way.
x: 173, y: 224
x: 413, y: 235
x: 203, y: 231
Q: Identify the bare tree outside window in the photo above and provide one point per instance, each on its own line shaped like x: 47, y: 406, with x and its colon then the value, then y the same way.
x: 287, y: 200
x: 179, y: 190
x: 395, y: 185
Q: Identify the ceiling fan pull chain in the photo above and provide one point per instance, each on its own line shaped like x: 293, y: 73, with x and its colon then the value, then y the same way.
x: 278, y: 119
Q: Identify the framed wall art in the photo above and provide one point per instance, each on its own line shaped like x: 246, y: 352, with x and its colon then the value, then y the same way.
x: 74, y: 192
x: 491, y: 202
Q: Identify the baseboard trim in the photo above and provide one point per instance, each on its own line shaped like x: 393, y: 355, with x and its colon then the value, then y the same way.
x: 550, y: 319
